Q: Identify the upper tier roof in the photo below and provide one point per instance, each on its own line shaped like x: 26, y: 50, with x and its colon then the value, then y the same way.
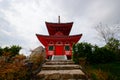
x: 53, y: 28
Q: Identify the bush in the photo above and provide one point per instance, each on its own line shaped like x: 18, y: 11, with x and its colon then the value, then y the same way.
x: 81, y: 50
x: 13, y: 70
x: 102, y: 55
x: 93, y: 54
x: 14, y: 66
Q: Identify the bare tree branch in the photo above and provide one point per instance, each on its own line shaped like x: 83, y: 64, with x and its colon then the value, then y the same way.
x: 106, y: 32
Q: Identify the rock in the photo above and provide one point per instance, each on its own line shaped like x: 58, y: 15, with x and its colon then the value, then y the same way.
x: 38, y: 54
x: 38, y: 50
x: 37, y: 58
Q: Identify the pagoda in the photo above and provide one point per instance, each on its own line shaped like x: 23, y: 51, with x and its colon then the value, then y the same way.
x: 58, y: 42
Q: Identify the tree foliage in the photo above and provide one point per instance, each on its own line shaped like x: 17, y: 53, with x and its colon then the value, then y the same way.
x: 114, y: 45
x: 9, y: 52
x: 81, y: 50
x: 93, y: 54
x: 101, y: 55
x: 13, y: 50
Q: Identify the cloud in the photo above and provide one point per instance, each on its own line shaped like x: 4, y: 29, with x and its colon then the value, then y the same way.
x: 20, y: 20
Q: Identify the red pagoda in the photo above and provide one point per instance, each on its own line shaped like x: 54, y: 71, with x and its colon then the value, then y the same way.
x: 58, y: 42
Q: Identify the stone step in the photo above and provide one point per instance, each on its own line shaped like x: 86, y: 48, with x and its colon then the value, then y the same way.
x: 61, y: 75
x: 59, y: 57
x: 59, y: 63
x: 60, y: 67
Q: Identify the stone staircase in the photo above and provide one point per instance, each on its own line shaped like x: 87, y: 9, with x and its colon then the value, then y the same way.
x: 59, y: 57
x: 61, y: 70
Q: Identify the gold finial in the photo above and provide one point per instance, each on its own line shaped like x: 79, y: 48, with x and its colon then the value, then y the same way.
x: 58, y: 19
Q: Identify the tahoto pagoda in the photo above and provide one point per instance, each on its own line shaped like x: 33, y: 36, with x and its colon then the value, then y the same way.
x: 58, y: 42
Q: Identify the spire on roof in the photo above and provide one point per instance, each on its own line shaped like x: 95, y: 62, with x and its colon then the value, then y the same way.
x: 58, y: 19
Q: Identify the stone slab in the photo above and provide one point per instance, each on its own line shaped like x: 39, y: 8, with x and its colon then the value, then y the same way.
x: 59, y: 63
x: 60, y: 67
x: 61, y: 74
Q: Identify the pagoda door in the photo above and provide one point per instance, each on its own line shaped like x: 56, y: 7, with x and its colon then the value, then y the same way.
x: 59, y: 50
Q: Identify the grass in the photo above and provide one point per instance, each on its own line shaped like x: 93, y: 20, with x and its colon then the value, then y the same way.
x: 108, y: 71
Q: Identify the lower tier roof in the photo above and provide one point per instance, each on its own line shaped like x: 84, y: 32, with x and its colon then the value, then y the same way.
x: 45, y: 39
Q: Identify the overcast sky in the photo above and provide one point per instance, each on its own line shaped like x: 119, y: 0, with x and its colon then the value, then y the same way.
x: 20, y: 20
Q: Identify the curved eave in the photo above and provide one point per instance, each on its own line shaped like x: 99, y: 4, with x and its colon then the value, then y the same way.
x: 44, y: 39
x: 51, y: 27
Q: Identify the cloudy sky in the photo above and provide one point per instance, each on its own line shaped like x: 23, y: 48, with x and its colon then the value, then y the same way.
x: 20, y: 20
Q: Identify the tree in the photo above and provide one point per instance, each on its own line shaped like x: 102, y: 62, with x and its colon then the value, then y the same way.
x: 92, y: 54
x: 101, y: 55
x: 14, y: 50
x: 81, y: 50
x: 106, y: 32
x: 114, y: 45
x: 9, y: 52
x: 6, y: 49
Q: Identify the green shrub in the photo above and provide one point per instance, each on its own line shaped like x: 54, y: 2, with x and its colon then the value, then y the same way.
x: 93, y: 54
x: 101, y: 55
x: 81, y: 50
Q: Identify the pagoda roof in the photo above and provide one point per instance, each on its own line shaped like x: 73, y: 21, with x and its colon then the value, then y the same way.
x: 53, y: 28
x: 45, y: 39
